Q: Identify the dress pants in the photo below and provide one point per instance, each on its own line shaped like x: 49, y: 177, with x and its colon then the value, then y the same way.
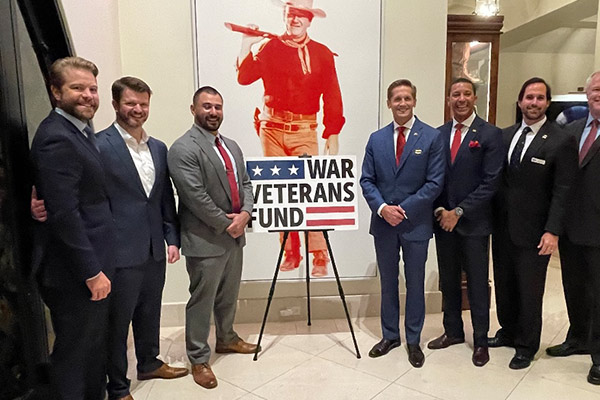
x: 280, y: 143
x: 136, y: 298
x: 456, y: 252
x: 520, y: 278
x: 214, y: 287
x: 414, y: 255
x: 78, y: 358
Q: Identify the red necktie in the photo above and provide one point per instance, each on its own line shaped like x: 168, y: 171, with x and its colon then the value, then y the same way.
x: 235, y: 194
x: 400, y: 144
x: 589, y: 140
x: 455, y: 142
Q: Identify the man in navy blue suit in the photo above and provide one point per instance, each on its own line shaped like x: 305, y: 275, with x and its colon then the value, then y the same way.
x: 73, y: 249
x: 144, y: 211
x: 402, y: 174
x: 474, y: 158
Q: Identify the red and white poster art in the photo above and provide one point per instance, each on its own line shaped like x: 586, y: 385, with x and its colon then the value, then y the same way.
x: 297, y: 77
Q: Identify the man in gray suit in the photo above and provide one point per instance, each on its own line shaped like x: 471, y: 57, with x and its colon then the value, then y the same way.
x: 215, y: 203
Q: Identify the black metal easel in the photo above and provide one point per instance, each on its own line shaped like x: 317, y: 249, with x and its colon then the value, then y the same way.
x: 337, y: 278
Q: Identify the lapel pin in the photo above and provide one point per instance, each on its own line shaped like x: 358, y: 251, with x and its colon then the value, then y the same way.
x: 474, y: 130
x: 545, y: 137
x: 418, y: 151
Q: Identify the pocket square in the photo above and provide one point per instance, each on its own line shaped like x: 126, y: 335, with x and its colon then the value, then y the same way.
x: 538, y: 161
x: 474, y: 144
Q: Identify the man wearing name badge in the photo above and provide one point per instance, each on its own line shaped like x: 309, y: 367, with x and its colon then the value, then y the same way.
x: 402, y: 175
x: 529, y: 211
x: 474, y: 158
x: 215, y: 205
x: 74, y: 248
x: 580, y: 245
x: 297, y: 73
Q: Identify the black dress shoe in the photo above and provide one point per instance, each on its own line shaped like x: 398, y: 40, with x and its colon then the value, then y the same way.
x: 480, y: 356
x: 500, y: 341
x: 444, y: 341
x: 519, y: 362
x: 416, y: 358
x: 383, y: 347
x: 594, y: 375
x: 565, y: 349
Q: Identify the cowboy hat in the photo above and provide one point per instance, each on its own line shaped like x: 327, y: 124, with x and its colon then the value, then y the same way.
x: 305, y: 5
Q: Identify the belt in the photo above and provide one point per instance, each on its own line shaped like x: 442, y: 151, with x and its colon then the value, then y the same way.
x: 288, y: 115
x: 289, y: 127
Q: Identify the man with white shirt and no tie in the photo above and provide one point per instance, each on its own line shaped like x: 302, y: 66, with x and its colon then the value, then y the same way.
x: 528, y: 218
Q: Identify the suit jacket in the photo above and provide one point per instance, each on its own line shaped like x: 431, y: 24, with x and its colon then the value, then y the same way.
x: 414, y: 184
x: 204, y: 193
x: 143, y: 222
x: 77, y: 241
x: 472, y: 180
x: 532, y: 200
x: 583, y: 211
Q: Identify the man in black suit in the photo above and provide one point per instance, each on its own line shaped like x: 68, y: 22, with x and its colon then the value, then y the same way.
x: 75, y: 246
x: 474, y: 154
x: 580, y: 244
x: 144, y: 211
x: 528, y: 218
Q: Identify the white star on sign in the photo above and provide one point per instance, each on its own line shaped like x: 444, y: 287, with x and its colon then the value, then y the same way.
x: 275, y: 170
x: 257, y: 170
x: 293, y: 170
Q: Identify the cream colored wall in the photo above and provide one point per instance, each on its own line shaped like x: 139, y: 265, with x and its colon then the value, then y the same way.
x: 152, y: 39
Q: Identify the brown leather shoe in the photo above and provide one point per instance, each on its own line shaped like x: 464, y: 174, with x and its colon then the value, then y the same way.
x: 291, y: 262
x: 480, y: 356
x: 165, y: 371
x: 128, y: 397
x: 444, y: 341
x: 237, y: 346
x: 204, y: 376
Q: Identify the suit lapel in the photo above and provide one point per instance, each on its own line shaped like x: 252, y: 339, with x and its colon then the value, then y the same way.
x: 205, y: 140
x: 591, y: 152
x: 446, y: 131
x: 157, y: 161
x: 115, y: 139
x: 471, y: 135
x: 537, y: 143
x: 411, y: 142
x: 79, y: 137
x: 389, y: 150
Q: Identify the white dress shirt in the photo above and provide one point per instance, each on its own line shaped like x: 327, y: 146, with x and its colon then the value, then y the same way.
x: 466, y: 126
x: 142, y: 158
x: 528, y: 138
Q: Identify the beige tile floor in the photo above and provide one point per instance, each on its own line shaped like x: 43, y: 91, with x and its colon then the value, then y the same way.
x: 318, y: 362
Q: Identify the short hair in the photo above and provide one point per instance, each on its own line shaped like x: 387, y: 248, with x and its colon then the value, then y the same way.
x: 462, y: 80
x: 531, y: 81
x: 129, y: 82
x: 56, y: 73
x: 401, y: 82
x: 589, y: 80
x: 205, y: 89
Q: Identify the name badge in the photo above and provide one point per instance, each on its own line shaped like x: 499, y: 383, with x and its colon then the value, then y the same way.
x: 538, y: 161
x: 418, y: 151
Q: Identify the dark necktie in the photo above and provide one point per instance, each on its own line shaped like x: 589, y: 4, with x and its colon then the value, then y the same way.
x: 91, y: 136
x: 456, y: 142
x: 515, y: 157
x: 400, y: 144
x: 235, y: 194
x: 589, y: 140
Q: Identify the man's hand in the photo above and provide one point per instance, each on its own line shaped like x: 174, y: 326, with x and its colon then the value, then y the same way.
x: 332, y: 145
x: 393, y: 214
x: 247, y: 42
x: 38, y: 210
x: 172, y: 254
x: 447, y: 219
x: 548, y: 243
x: 99, y: 286
x: 238, y: 224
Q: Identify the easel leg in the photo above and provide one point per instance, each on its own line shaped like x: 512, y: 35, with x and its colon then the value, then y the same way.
x: 342, y: 297
x: 271, y: 291
x: 307, y: 264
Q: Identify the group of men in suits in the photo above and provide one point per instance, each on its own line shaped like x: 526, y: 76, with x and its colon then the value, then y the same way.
x: 105, y: 208
x: 524, y: 185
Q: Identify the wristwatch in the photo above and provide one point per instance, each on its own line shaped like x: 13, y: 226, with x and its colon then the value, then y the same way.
x: 459, y: 211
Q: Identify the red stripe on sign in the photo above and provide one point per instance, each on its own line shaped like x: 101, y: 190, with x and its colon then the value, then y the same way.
x: 323, y: 222
x: 332, y: 209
